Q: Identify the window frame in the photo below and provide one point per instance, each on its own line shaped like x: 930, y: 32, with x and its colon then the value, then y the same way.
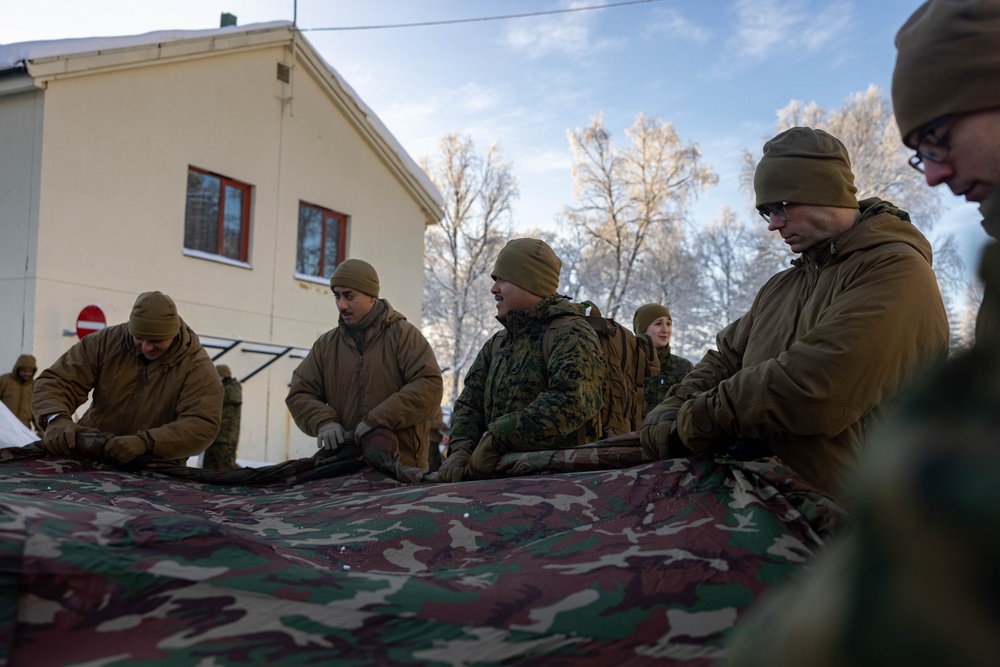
x: 246, y: 190
x: 343, y: 224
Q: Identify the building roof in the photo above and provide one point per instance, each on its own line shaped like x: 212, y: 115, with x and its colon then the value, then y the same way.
x: 43, y: 61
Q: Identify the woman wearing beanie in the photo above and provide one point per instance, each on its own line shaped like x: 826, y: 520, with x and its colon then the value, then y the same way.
x: 654, y: 321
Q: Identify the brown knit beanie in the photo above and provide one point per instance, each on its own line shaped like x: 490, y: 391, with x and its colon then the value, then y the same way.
x: 805, y: 166
x: 646, y: 315
x: 154, y: 317
x: 356, y: 274
x: 530, y: 264
x: 948, y: 61
x: 224, y: 371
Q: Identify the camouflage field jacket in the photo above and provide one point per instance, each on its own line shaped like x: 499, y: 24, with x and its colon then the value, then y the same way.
x: 174, y: 401
x: 672, y: 370
x: 824, y: 345
x: 530, y: 398
x: 396, y: 383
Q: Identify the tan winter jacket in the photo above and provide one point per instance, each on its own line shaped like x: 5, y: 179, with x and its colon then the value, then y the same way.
x: 174, y: 401
x: 16, y: 395
x: 395, y: 384
x: 822, y: 349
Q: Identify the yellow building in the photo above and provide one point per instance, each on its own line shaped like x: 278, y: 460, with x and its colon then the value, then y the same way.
x: 229, y: 168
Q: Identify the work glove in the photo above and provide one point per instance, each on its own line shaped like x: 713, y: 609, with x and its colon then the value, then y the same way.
x: 484, y: 460
x: 60, y: 436
x: 697, y: 426
x: 453, y: 467
x: 331, y: 436
x: 655, y: 434
x: 123, y: 450
x: 360, y: 430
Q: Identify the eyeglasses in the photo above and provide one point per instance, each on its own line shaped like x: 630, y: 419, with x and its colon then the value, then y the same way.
x: 778, y: 209
x: 930, y: 146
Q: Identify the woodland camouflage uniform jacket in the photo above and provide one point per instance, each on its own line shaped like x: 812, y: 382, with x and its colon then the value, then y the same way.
x: 824, y: 346
x: 672, y: 370
x: 529, y: 398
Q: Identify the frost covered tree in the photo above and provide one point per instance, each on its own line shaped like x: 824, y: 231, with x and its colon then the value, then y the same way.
x: 478, y: 190
x: 629, y: 200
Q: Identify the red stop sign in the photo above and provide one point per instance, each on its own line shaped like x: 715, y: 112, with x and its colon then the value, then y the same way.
x: 90, y: 319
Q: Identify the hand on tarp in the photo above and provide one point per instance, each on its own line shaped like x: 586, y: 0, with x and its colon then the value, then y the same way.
x: 60, y: 436
x: 658, y: 436
x: 484, y: 460
x: 331, y: 436
x: 452, y: 469
x: 360, y: 430
x: 127, y: 451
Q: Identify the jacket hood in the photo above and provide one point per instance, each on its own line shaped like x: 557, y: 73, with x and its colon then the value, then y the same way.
x: 25, y: 361
x: 881, y: 222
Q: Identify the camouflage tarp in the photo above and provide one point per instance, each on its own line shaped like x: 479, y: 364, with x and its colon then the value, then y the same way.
x: 323, y: 561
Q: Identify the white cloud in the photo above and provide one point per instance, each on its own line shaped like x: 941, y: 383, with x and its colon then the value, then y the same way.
x: 671, y: 23
x: 566, y: 34
x: 767, y: 29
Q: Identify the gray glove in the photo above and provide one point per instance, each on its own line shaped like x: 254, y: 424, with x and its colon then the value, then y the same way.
x: 331, y: 436
x: 360, y: 430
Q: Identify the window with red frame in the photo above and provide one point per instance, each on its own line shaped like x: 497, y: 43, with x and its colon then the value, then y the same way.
x: 321, y: 244
x: 217, y: 216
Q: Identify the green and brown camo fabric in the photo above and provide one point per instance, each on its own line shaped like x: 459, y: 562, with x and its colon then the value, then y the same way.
x: 351, y: 560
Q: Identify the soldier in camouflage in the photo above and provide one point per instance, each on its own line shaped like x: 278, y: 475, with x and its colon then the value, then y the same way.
x: 221, y: 454
x: 535, y: 383
x: 655, y: 321
x: 915, y: 583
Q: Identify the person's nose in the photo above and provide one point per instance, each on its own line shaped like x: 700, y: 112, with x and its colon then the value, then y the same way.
x: 774, y: 223
x: 937, y: 173
x: 495, y: 289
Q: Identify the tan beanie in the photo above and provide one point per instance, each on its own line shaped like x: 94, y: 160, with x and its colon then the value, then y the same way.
x: 224, y: 371
x: 646, y: 315
x: 154, y: 317
x: 948, y: 61
x: 356, y: 274
x: 530, y: 264
x: 805, y: 166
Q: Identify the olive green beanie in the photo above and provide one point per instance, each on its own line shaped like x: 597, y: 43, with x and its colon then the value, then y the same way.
x: 805, y: 166
x: 154, y: 317
x: 947, y: 61
x: 646, y: 315
x: 530, y: 264
x: 357, y: 275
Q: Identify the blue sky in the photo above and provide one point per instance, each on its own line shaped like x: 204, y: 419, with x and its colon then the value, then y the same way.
x: 717, y: 69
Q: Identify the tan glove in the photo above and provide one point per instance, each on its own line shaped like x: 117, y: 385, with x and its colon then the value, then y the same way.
x: 122, y: 450
x: 453, y: 467
x: 654, y: 436
x: 484, y: 460
x: 60, y: 436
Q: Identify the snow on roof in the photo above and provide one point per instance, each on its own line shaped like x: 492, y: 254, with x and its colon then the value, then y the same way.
x: 16, y: 55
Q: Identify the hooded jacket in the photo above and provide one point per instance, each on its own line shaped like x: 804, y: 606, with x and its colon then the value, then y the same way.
x: 530, y: 398
x: 395, y: 383
x: 175, y: 401
x: 16, y: 394
x: 824, y: 346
